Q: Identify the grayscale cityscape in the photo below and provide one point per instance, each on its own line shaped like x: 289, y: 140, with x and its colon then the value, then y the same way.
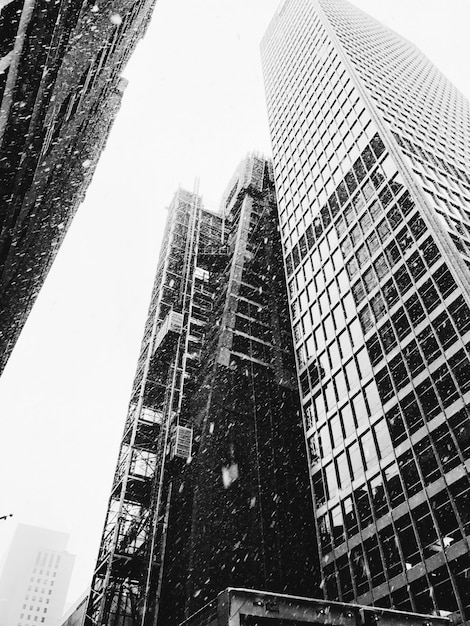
x: 250, y: 407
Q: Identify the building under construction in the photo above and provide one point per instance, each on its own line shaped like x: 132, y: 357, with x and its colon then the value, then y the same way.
x: 60, y: 89
x: 206, y: 494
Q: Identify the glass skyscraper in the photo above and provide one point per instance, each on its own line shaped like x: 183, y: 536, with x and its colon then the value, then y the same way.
x: 371, y: 148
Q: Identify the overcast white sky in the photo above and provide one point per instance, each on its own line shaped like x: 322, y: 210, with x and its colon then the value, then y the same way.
x: 194, y: 107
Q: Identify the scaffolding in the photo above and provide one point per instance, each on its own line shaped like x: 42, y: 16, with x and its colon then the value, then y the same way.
x: 202, y: 494
x: 127, y: 580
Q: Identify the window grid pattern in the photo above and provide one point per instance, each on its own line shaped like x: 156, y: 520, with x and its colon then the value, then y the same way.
x: 43, y: 577
x: 429, y: 118
x: 380, y: 325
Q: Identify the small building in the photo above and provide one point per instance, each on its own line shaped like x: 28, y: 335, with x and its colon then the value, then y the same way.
x: 35, y: 578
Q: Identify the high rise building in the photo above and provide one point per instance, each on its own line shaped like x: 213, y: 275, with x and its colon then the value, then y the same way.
x: 60, y: 90
x: 371, y: 147
x: 35, y: 578
x: 211, y: 487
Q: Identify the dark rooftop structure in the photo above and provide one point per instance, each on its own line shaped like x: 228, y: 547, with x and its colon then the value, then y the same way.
x: 247, y: 607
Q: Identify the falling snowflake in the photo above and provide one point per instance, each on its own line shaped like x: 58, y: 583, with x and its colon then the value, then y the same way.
x: 115, y: 19
x: 229, y: 474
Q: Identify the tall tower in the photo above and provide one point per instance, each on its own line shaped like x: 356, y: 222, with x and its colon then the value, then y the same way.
x: 35, y: 578
x: 205, y: 495
x: 371, y: 150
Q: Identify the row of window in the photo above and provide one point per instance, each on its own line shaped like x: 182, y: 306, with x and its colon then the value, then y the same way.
x: 443, y: 449
x: 418, y: 534
x: 43, y: 577
x: 336, y: 202
x: 310, y: 183
x: 330, y: 297
x: 344, y: 423
x: 343, y: 381
x: 318, y: 338
x: 42, y: 561
x: 30, y: 588
x: 321, y: 137
x: 413, y: 305
x: 436, y: 140
x: 308, y: 71
x: 445, y: 196
x: 379, y: 304
x: 348, y: 378
x: 287, y: 56
x: 462, y: 245
x: 377, y: 241
x: 446, y: 446
x: 394, y: 377
x: 433, y: 523
x: 398, y: 325
x: 436, y: 160
x: 386, y: 77
x: 350, y: 464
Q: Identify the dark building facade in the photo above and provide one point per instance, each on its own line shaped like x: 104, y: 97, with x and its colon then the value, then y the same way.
x: 211, y: 488
x: 60, y: 89
x: 371, y: 158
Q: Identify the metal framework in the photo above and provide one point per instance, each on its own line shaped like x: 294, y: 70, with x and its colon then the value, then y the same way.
x: 128, y: 577
x: 202, y: 496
